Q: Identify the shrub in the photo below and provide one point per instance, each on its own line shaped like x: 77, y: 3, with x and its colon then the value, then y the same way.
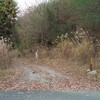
x: 84, y: 51
x: 79, y: 48
x: 5, y: 57
x: 65, y: 48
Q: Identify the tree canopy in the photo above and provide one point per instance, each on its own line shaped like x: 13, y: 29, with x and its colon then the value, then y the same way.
x: 8, y: 11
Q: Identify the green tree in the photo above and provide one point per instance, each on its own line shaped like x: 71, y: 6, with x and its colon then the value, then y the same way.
x: 8, y: 11
x: 88, y: 12
x: 60, y: 17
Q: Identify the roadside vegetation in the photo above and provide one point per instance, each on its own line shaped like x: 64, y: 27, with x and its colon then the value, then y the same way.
x: 8, y: 37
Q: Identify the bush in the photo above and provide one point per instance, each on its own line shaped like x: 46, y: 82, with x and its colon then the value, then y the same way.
x: 84, y: 51
x: 81, y: 48
x: 65, y: 49
x: 5, y: 57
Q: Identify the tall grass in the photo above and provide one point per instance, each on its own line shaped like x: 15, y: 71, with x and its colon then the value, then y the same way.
x: 5, y: 56
x: 80, y: 48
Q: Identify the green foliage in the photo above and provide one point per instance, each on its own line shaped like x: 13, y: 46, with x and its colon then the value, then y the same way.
x: 88, y: 12
x: 8, y: 12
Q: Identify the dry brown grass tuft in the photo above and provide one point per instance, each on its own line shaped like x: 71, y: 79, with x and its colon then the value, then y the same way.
x: 7, y: 74
x: 5, y: 56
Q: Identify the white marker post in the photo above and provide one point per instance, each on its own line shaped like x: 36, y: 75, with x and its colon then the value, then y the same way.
x: 36, y: 54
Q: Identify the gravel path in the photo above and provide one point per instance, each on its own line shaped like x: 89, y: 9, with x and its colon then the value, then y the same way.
x: 42, y: 75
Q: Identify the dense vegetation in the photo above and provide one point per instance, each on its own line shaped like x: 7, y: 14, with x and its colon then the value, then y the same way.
x: 8, y: 35
x: 43, y: 23
x: 50, y: 19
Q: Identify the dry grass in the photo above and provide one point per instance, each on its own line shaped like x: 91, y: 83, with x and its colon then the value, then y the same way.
x: 64, y: 65
x: 5, y: 61
x: 7, y: 68
x: 80, y: 52
x: 5, y: 57
x: 8, y: 73
x: 72, y: 57
x: 97, y: 65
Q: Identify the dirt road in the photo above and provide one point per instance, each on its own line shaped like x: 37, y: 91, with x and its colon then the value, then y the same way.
x: 38, y: 77
x: 45, y: 77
